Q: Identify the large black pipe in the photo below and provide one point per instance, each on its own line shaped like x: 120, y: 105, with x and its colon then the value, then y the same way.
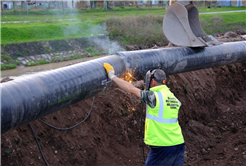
x: 26, y: 99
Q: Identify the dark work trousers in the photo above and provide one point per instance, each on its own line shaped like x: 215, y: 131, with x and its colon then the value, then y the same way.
x: 166, y: 156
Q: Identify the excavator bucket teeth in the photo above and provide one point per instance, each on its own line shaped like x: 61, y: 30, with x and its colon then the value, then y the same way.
x: 181, y: 26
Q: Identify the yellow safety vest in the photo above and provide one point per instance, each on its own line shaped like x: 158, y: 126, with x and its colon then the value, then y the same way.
x: 161, y: 124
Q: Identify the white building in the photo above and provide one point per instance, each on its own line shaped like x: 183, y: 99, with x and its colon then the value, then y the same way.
x: 155, y: 2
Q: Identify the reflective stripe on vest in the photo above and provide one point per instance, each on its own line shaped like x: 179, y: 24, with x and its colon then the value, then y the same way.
x: 160, y: 114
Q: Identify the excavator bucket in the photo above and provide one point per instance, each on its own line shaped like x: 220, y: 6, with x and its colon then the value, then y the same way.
x: 181, y: 26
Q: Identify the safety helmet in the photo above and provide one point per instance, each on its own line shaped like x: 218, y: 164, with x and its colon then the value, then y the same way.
x: 151, y: 75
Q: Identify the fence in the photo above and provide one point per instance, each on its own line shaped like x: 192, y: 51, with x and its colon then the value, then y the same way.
x: 165, y: 3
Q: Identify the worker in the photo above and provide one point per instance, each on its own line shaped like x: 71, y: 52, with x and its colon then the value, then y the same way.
x: 162, y: 131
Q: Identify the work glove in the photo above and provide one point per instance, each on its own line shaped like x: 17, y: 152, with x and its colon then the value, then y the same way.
x: 110, y: 70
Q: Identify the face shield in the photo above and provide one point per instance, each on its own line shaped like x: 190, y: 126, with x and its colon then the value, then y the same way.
x: 149, y: 76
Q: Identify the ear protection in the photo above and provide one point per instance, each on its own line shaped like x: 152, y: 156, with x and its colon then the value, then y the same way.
x: 149, y: 76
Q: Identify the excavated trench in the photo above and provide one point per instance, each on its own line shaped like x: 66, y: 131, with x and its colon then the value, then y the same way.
x: 212, y: 117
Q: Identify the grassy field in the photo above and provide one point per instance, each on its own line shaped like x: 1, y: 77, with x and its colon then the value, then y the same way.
x: 88, y: 23
x: 229, y: 18
x: 98, y: 14
x: 141, y: 27
x: 25, y: 32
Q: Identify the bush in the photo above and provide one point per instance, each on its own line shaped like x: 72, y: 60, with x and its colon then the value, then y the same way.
x: 3, y: 67
x: 56, y: 59
x: 42, y: 61
x: 18, y: 62
x: 134, y: 30
x: 11, y: 66
x: 74, y: 56
x: 5, y: 57
x: 32, y: 63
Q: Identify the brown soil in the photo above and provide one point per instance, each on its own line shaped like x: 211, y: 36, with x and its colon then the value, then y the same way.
x: 231, y: 37
x: 212, y: 117
x: 224, y: 37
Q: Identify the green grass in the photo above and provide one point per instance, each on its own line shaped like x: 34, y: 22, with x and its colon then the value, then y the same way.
x: 14, y: 33
x: 83, y: 14
x: 4, y: 57
x: 96, y: 13
x: 7, y: 152
x: 223, y: 8
x: 40, y: 62
x: 93, y: 51
x: 6, y: 66
x: 223, y: 22
x: 229, y: 18
x: 9, y: 62
x: 219, y: 136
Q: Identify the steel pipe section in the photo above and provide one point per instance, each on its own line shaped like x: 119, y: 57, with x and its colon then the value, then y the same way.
x: 183, y: 59
x: 28, y: 98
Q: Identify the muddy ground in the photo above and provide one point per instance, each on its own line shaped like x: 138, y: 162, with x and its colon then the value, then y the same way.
x: 212, y: 117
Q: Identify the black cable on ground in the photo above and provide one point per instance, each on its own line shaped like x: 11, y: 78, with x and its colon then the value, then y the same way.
x: 142, y: 130
x: 38, y: 145
x: 58, y: 129
x: 72, y: 126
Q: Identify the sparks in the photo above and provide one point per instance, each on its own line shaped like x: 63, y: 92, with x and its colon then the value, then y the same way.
x: 130, y: 74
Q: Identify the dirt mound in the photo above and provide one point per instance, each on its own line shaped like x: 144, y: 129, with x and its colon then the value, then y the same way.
x: 241, y: 32
x: 212, y: 117
x: 231, y: 37
x: 224, y: 37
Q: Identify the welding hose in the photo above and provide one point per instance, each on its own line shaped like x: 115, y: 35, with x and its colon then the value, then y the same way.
x: 38, y: 145
x: 57, y: 129
x: 63, y: 129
